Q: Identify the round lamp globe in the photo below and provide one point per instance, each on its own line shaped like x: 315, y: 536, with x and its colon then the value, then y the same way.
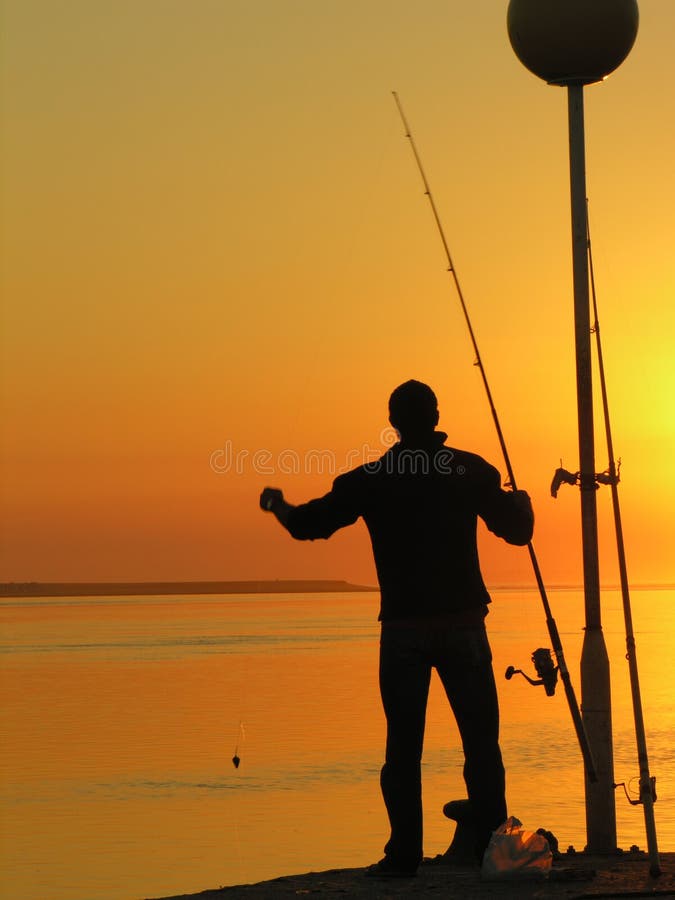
x: 572, y: 41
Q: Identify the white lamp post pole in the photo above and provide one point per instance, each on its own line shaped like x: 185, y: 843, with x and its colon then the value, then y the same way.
x: 596, y: 703
x: 572, y: 43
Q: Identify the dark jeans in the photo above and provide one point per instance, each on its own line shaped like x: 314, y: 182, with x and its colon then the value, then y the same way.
x: 462, y: 657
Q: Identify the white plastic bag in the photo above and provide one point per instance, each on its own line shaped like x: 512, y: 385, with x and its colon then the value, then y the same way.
x: 516, y: 853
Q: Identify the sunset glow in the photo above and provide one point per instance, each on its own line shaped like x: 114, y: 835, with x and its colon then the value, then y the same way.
x: 218, y: 262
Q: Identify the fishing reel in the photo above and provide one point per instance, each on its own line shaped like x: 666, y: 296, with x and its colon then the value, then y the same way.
x: 546, y: 670
x: 649, y: 788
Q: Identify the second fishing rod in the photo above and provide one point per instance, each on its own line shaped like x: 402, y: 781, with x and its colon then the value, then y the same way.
x: 647, y: 796
x: 544, y: 670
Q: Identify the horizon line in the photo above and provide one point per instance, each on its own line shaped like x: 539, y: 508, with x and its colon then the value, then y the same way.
x: 258, y: 585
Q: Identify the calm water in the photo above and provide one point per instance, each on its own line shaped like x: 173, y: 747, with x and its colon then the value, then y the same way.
x: 121, y: 717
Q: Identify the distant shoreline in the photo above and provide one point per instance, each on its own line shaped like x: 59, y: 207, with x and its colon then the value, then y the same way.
x: 153, y: 588
x: 297, y: 586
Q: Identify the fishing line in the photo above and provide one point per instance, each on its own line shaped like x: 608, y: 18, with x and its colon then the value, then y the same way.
x: 647, y: 783
x: 550, y: 621
x: 236, y: 761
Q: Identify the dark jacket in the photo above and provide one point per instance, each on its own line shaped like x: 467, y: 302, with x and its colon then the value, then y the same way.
x: 421, y: 506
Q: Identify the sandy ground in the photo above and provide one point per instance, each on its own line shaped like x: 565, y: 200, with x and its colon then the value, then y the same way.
x: 572, y: 877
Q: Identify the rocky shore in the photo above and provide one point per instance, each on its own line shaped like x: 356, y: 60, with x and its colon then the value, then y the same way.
x: 573, y: 877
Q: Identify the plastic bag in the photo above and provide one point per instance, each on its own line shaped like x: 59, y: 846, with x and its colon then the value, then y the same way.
x: 516, y: 853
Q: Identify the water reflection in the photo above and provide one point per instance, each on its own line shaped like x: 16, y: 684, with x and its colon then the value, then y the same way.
x: 121, y: 720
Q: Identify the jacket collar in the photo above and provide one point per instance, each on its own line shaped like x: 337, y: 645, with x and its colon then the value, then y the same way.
x: 433, y: 441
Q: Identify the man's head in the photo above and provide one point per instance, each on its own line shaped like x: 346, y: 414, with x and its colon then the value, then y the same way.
x: 413, y: 410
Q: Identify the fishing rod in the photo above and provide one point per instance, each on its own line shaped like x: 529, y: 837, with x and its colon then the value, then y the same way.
x: 647, y: 782
x: 550, y: 621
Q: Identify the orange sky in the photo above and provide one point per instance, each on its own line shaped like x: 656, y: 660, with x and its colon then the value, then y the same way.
x: 215, y: 240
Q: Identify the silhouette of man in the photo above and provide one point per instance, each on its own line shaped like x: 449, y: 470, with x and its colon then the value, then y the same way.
x: 420, y: 502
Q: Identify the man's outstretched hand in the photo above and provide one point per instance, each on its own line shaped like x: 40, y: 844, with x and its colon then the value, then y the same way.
x: 270, y: 499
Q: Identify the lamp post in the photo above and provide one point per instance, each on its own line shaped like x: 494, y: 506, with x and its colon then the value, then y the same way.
x: 572, y: 43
